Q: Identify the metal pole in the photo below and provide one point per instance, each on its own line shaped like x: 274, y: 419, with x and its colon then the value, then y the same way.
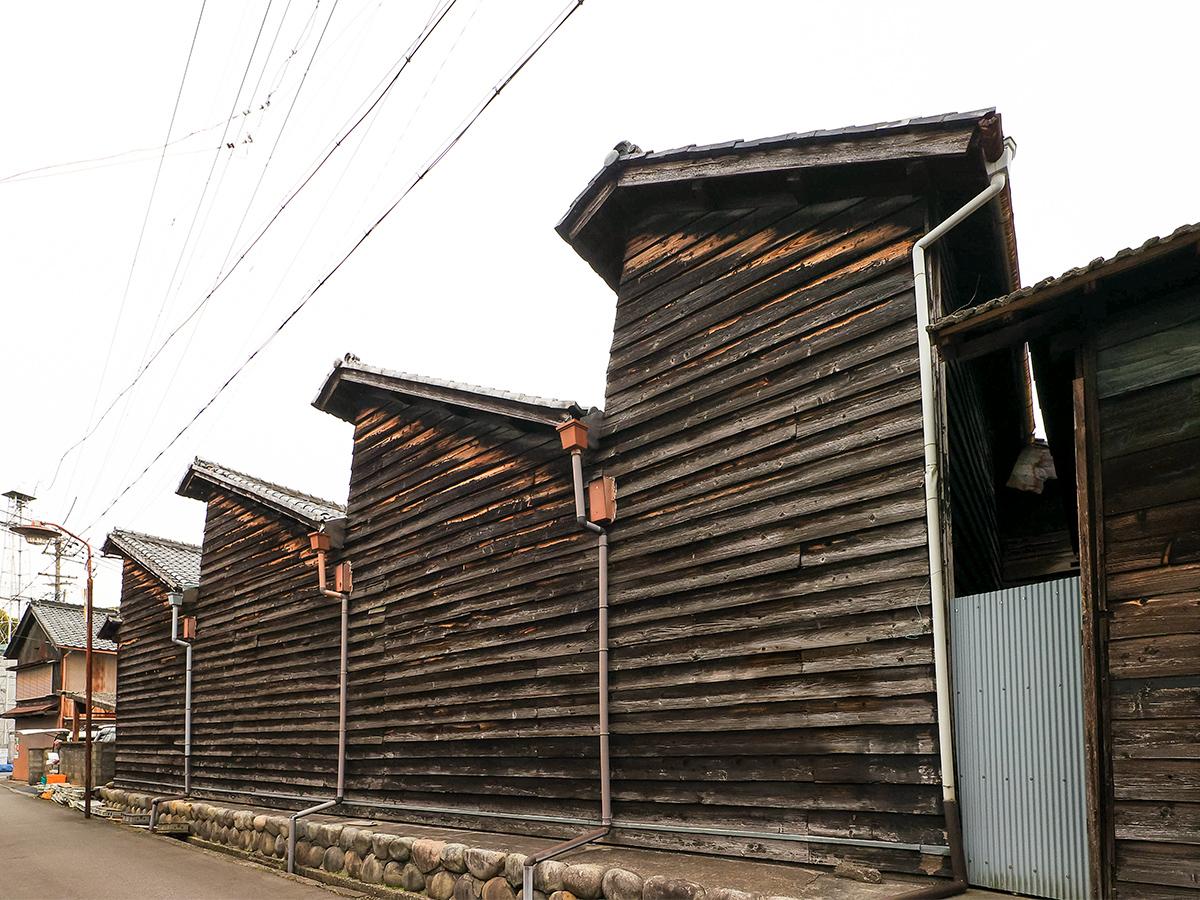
x: 87, y: 737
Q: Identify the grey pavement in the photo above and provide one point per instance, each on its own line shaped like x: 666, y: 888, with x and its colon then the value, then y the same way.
x: 48, y: 852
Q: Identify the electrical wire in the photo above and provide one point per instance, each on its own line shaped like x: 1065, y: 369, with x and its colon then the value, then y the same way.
x: 142, y: 232
x: 31, y: 174
x: 407, y: 58
x: 560, y: 20
x: 237, y: 233
x: 183, y: 248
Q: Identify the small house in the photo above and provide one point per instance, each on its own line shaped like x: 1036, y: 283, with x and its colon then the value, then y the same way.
x: 49, y: 649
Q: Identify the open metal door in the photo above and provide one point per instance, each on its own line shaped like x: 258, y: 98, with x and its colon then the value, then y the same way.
x: 1018, y: 706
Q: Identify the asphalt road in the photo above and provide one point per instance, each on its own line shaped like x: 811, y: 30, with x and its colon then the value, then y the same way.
x: 48, y: 852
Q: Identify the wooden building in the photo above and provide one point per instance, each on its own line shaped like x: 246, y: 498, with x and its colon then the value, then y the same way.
x: 266, y: 645
x: 771, y: 663
x: 772, y: 690
x: 772, y: 686
x: 1116, y: 358
x: 150, y: 668
x: 48, y: 647
x: 472, y: 636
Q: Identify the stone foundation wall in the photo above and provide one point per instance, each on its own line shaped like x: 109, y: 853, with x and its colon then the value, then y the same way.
x: 436, y: 869
x: 104, y: 756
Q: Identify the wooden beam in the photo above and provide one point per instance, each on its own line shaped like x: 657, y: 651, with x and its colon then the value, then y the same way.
x: 1097, y: 740
x: 885, y: 147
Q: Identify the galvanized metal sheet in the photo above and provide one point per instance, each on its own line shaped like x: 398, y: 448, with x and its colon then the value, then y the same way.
x: 1018, y: 705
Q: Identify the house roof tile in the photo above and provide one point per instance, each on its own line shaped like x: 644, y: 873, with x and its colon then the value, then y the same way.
x: 305, y: 508
x: 174, y: 563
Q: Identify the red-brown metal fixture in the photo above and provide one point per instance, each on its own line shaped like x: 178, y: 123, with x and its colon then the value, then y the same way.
x: 602, y: 499
x: 343, y: 581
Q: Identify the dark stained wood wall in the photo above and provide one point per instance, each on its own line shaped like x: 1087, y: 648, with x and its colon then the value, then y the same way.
x: 1147, y: 381
x: 150, y: 685
x: 978, y: 559
x: 265, y: 657
x: 473, y: 643
x: 772, y: 664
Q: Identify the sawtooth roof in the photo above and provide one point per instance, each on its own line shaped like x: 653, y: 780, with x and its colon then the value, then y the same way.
x: 174, y: 563
x: 304, y: 508
x: 350, y: 373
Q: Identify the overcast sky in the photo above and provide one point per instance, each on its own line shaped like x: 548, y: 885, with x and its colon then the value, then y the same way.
x: 467, y: 279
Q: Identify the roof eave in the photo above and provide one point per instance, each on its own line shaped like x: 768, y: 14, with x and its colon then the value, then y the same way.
x: 193, y: 490
x: 334, y: 400
x: 114, y: 547
x: 1020, y: 310
x: 897, y: 143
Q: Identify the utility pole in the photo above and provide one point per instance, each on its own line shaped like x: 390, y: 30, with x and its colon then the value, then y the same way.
x: 12, y: 607
x: 58, y: 554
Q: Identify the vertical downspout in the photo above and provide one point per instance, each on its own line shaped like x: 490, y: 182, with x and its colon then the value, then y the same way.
x: 998, y: 172
x: 176, y: 603
x: 601, y: 632
x: 321, y: 543
x: 581, y: 519
x: 176, y: 600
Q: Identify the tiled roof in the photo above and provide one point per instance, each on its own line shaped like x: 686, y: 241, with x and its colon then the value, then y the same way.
x: 175, y: 564
x: 303, y: 507
x: 1067, y: 280
x: 30, y: 708
x: 65, y: 624
x: 508, y: 403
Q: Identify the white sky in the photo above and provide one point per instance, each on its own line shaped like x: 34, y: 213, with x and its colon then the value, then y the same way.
x: 468, y: 279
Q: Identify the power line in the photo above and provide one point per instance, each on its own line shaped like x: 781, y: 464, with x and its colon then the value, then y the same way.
x: 103, y: 162
x: 407, y: 58
x: 187, y: 238
x: 145, y: 218
x: 278, y: 136
x: 246, y: 212
x: 560, y: 20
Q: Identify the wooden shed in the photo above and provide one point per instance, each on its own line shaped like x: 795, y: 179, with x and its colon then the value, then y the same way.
x: 266, y: 646
x: 150, y: 671
x: 1116, y: 358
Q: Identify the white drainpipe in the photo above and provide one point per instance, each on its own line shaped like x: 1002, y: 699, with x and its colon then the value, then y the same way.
x: 998, y: 172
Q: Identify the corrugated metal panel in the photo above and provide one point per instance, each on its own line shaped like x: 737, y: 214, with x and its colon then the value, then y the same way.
x: 1019, y: 725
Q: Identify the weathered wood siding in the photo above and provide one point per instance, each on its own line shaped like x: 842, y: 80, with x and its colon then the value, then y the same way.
x: 473, y: 650
x: 772, y: 660
x: 1148, y: 386
x: 971, y: 482
x: 265, y: 658
x: 150, y: 683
